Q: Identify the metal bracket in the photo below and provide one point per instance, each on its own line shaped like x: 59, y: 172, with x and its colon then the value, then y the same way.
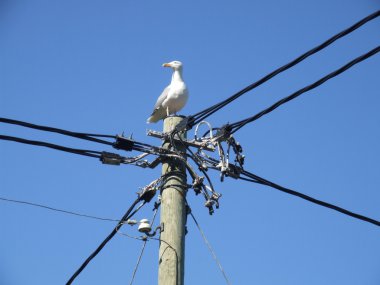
x: 155, y: 162
x: 192, y: 143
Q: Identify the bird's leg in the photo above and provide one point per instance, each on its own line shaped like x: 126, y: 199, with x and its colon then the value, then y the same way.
x: 167, y: 111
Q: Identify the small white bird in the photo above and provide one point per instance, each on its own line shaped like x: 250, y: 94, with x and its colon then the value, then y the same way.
x: 174, y: 96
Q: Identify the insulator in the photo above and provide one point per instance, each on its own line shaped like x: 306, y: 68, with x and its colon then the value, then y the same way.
x: 144, y: 226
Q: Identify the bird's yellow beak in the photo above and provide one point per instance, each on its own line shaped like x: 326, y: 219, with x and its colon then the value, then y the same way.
x: 166, y: 65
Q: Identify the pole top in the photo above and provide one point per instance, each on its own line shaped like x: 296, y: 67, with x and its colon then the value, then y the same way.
x: 171, y: 122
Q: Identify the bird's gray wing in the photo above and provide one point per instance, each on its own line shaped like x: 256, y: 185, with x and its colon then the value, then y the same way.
x: 158, y: 111
x: 162, y: 98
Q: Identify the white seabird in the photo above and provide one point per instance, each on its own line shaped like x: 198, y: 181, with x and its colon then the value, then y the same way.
x: 174, y: 96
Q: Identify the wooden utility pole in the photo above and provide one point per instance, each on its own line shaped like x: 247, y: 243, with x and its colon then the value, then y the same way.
x: 173, y: 215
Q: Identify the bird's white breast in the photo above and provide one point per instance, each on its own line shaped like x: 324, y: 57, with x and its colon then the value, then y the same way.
x: 177, y: 97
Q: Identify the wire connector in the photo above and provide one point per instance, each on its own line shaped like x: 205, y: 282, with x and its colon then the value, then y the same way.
x: 197, y: 184
x: 123, y: 143
x: 233, y: 171
x: 111, y: 158
x: 223, y: 133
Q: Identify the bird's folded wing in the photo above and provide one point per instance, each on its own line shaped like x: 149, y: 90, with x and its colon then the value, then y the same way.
x: 162, y: 98
x: 158, y: 111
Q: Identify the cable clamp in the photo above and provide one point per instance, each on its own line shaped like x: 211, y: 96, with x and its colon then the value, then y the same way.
x: 142, y: 163
x: 111, y: 158
x: 123, y: 143
x: 147, y: 193
x: 183, y: 125
x: 157, y: 203
x: 213, y: 200
x: 238, y: 149
x: 197, y: 184
x: 233, y: 171
x: 209, y: 204
x: 223, y: 133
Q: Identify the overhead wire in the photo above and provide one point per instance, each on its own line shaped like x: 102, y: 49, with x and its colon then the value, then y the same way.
x: 210, y: 248
x: 196, y: 161
x: 120, y: 143
x: 308, y: 198
x: 250, y: 177
x: 84, y: 152
x: 145, y: 240
x: 200, y: 116
x: 215, y: 196
x: 138, y: 261
x: 57, y: 210
x: 126, y: 144
x: 125, y: 217
x: 151, y: 237
x: 232, y: 128
x: 84, y: 136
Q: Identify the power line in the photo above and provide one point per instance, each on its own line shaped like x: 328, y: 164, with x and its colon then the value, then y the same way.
x: 145, y: 239
x: 126, y: 144
x: 126, y: 216
x: 310, y: 199
x: 200, y: 116
x: 238, y: 125
x: 120, y: 142
x: 145, y: 196
x: 138, y: 261
x: 57, y: 210
x: 210, y: 248
x: 104, y: 157
x: 143, y: 248
x: 250, y: 177
x: 85, y: 152
x: 84, y: 136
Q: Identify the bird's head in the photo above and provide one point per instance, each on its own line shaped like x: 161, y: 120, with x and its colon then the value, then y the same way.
x: 176, y: 65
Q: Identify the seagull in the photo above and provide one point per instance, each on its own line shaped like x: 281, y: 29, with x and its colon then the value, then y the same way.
x: 174, y: 96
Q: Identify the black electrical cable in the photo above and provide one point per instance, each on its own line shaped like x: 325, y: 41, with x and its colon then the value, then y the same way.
x: 126, y: 216
x: 57, y: 210
x: 85, y: 152
x: 195, y: 159
x: 237, y: 125
x: 251, y: 180
x: 144, y: 245
x: 200, y: 116
x: 84, y: 136
x: 250, y: 177
x: 200, y: 167
x: 131, y: 144
x: 310, y: 199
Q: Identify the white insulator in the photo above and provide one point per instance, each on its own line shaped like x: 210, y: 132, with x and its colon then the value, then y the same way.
x: 144, y: 226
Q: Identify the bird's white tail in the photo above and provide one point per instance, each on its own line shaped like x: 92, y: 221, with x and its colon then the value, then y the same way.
x: 152, y: 119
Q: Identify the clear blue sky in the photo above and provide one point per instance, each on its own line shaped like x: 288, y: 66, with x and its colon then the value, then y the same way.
x: 95, y: 66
